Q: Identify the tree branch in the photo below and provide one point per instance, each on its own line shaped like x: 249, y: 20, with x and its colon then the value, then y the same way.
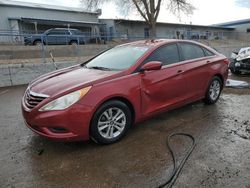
x: 158, y: 7
x: 146, y: 8
x: 139, y: 10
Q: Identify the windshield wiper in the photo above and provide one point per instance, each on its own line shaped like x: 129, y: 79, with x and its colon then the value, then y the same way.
x: 98, y: 68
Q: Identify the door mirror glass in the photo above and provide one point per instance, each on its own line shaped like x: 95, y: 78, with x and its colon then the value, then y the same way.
x: 152, y: 65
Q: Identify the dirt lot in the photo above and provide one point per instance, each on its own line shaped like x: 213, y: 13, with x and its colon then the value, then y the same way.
x: 221, y: 157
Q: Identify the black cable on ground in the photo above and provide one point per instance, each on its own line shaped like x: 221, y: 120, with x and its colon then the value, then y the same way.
x: 177, y: 169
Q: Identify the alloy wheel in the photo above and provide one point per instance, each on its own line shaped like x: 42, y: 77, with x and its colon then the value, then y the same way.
x: 214, y: 90
x: 111, y: 123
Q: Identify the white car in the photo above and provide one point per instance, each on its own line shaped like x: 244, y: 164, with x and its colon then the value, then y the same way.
x: 240, y: 61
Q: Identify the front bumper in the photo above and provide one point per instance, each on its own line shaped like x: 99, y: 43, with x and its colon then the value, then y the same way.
x: 27, y: 41
x: 240, y: 66
x: 71, y: 124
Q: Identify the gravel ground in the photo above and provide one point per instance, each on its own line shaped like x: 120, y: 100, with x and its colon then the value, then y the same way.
x: 221, y: 157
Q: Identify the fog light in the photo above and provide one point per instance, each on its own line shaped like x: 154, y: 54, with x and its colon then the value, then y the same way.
x: 58, y: 130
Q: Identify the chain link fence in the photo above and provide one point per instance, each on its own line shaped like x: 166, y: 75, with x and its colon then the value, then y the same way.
x: 42, y: 47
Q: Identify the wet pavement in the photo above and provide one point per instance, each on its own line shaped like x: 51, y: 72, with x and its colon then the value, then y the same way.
x: 221, y: 157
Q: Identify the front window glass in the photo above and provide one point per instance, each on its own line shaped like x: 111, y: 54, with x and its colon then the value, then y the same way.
x: 76, y: 32
x: 118, y: 58
x: 167, y: 54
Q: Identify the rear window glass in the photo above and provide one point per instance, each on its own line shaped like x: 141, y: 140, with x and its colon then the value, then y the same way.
x: 207, y: 52
x: 191, y: 51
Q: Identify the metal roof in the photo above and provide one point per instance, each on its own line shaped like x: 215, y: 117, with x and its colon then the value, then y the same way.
x: 45, y: 6
x: 53, y: 21
x: 175, y: 24
x: 234, y: 23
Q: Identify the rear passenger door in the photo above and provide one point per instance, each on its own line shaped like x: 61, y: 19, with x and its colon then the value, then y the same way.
x: 196, y: 60
x: 165, y: 87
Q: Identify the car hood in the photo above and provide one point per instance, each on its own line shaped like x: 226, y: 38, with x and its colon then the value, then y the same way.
x: 66, y: 79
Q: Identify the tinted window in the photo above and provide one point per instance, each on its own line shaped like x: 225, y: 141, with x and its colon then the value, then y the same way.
x: 76, y: 32
x: 207, y: 52
x: 56, y: 32
x: 67, y: 32
x: 167, y: 55
x: 191, y: 51
x: 118, y: 58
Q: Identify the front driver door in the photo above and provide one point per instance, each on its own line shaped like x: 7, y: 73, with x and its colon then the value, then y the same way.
x: 166, y: 87
x: 50, y: 37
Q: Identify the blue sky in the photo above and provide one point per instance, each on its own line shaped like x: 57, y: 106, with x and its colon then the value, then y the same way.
x: 243, y: 3
x: 207, y: 11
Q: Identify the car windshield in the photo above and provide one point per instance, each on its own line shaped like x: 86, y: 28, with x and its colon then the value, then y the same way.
x: 118, y: 58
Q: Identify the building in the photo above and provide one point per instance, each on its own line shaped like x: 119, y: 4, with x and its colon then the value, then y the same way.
x: 241, y: 28
x: 239, y: 25
x: 18, y: 19
x: 129, y: 29
x: 23, y: 18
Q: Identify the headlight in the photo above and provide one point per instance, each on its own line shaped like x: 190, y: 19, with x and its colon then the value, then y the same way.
x: 65, y: 101
x: 237, y: 64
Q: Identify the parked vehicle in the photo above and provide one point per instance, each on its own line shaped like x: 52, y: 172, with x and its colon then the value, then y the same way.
x: 240, y: 61
x: 57, y: 36
x: 103, y: 97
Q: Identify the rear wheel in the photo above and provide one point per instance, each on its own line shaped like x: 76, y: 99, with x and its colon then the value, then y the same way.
x: 110, y: 122
x: 214, y: 90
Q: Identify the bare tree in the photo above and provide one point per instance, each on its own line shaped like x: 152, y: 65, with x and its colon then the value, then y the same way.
x: 148, y: 9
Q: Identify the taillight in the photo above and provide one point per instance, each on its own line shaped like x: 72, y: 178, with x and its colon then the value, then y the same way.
x: 226, y: 61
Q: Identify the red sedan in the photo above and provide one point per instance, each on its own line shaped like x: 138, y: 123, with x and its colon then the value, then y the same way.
x: 103, y: 97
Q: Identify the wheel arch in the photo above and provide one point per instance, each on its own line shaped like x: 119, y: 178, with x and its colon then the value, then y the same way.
x: 221, y: 78
x: 122, y: 99
x: 36, y: 40
x: 209, y: 81
x: 73, y: 40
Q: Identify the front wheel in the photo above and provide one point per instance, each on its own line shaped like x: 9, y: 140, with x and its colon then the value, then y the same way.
x: 214, y: 90
x: 74, y: 43
x: 37, y: 43
x: 110, y: 122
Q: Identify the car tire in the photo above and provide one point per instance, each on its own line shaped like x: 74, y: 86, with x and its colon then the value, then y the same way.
x: 213, y: 91
x: 110, y: 122
x: 73, y: 43
x: 37, y: 43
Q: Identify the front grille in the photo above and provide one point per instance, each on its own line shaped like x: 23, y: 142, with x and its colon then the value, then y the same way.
x: 32, y: 99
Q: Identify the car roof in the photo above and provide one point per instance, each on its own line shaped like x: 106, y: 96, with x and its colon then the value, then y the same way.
x: 64, y: 29
x: 159, y: 42
x: 151, y: 42
x: 155, y: 43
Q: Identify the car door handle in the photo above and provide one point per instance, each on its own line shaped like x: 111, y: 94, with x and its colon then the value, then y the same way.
x: 179, y: 71
x: 208, y: 61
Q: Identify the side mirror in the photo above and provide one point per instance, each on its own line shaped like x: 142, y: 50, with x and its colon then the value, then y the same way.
x: 152, y: 65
